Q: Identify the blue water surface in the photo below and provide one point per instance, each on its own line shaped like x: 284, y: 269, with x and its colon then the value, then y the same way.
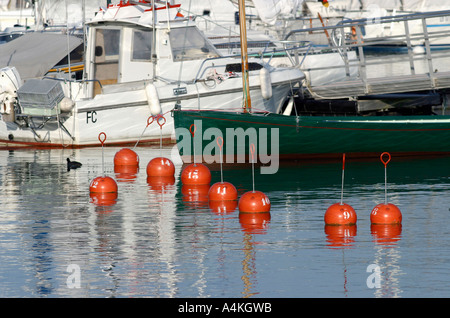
x: 154, y: 240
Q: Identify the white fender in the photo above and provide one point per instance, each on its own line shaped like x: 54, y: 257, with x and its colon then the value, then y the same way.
x: 266, y: 83
x: 10, y: 82
x: 153, y: 99
x: 66, y: 105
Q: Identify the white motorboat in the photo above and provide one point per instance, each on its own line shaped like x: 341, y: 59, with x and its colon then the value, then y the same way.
x: 141, y: 61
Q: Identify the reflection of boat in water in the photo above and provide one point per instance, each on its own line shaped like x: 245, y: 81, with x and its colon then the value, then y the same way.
x: 135, y: 68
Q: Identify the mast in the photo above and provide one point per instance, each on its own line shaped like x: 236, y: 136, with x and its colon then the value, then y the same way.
x: 153, y: 49
x: 244, y: 57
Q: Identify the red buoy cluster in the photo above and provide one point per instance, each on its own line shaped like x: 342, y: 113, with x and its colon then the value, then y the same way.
x: 383, y: 213
x: 160, y: 170
x: 222, y: 197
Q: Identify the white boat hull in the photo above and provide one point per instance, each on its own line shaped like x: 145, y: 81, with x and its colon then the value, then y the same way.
x: 124, y: 117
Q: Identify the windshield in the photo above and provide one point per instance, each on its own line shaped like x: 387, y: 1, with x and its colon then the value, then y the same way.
x: 189, y: 44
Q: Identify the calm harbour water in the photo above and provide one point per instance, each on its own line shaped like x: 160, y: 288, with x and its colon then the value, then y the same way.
x: 155, y: 241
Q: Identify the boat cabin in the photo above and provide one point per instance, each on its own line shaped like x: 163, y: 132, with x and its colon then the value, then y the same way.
x: 125, y: 51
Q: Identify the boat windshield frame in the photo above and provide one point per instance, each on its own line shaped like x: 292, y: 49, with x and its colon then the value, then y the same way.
x: 189, y: 43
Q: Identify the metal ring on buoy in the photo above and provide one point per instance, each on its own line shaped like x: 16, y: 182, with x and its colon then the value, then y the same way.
x: 158, y: 118
x: 219, y: 142
x: 387, y: 161
x: 192, y: 129
x: 100, y: 139
x: 150, y: 122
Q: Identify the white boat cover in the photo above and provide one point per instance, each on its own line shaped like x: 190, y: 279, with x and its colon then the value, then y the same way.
x: 34, y: 54
x: 270, y: 10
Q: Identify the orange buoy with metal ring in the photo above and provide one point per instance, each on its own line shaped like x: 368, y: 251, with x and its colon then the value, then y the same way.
x: 340, y: 214
x: 103, y: 185
x: 254, y: 202
x: 126, y: 157
x: 386, y: 213
x: 196, y: 173
x: 160, y: 166
x: 222, y: 191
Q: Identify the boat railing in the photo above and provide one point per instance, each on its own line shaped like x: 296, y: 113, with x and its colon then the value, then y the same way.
x: 292, y: 50
x: 420, y: 42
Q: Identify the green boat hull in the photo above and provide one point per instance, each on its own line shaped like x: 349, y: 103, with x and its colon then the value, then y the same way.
x: 311, y: 136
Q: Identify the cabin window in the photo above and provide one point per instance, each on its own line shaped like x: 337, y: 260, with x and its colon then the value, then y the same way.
x: 107, y: 45
x: 142, y: 45
x: 189, y: 44
x: 106, y: 60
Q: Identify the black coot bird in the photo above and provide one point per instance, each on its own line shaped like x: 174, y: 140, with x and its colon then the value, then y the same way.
x: 73, y: 164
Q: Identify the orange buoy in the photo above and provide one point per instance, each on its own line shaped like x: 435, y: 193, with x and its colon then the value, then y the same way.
x: 386, y: 213
x: 196, y: 173
x: 254, y: 202
x: 223, y: 207
x: 126, y: 157
x: 254, y: 222
x: 340, y: 214
x: 160, y: 166
x: 222, y: 191
x: 103, y: 185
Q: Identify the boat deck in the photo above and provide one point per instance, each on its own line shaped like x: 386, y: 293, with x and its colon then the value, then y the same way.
x: 383, y: 85
x: 415, y: 57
